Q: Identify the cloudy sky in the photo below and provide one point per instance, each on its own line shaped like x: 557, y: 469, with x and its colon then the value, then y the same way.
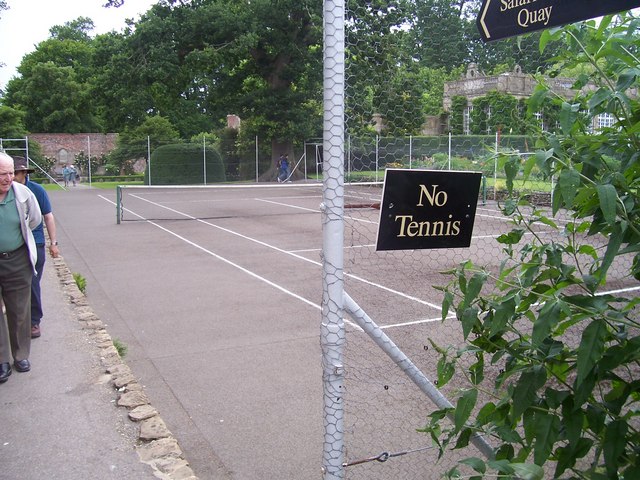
x: 27, y: 23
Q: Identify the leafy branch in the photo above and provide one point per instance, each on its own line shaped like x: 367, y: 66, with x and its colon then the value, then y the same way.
x: 551, y: 360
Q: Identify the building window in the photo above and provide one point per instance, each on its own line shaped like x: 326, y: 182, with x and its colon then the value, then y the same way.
x: 466, y: 119
x: 487, y: 112
x: 540, y: 118
x: 604, y: 120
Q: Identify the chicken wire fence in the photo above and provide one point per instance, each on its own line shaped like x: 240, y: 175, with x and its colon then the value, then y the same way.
x: 382, y: 323
x: 375, y: 399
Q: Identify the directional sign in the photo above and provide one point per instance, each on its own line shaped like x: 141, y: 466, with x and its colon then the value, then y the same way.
x: 507, y: 18
x: 427, y: 209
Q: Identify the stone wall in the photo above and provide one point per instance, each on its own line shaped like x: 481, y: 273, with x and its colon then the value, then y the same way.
x: 63, y: 147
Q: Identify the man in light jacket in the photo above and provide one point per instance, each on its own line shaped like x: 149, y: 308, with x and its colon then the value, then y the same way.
x: 19, y: 214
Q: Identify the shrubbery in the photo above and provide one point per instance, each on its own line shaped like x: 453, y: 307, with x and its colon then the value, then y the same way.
x: 184, y: 164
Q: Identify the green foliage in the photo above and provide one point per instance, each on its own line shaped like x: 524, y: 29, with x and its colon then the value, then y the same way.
x: 120, y: 347
x: 228, y: 148
x: 184, y: 164
x: 497, y: 111
x: 135, y: 143
x: 81, y: 160
x: 456, y: 114
x: 54, y: 100
x: 564, y: 402
x: 81, y: 282
x: 12, y: 123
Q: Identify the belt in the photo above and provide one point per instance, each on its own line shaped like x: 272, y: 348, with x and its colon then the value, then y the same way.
x: 6, y: 255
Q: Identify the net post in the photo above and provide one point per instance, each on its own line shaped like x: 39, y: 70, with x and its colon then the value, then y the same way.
x: 484, y: 189
x: 118, y: 204
x: 332, y: 333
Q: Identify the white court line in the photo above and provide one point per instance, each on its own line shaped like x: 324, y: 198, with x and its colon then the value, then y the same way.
x: 314, y: 262
x: 417, y: 322
x: 620, y: 290
x: 293, y: 253
x: 229, y: 262
x: 314, y: 210
x: 311, y: 209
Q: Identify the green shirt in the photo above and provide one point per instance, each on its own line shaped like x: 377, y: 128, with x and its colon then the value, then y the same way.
x: 10, y: 234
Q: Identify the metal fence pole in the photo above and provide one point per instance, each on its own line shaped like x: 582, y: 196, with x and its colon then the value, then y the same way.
x: 407, y: 366
x: 410, y: 150
x: 149, y: 158
x: 332, y: 328
x: 89, y: 161
x: 257, y: 160
x: 118, y: 204
x: 449, y: 150
x: 377, y: 155
x: 204, y: 158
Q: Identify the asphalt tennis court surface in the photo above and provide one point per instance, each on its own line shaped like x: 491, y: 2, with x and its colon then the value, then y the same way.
x: 217, y: 298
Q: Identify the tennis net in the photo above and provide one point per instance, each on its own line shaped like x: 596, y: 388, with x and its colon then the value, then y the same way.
x: 192, y: 202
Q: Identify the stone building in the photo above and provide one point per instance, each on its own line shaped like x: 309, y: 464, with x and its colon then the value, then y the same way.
x: 519, y: 85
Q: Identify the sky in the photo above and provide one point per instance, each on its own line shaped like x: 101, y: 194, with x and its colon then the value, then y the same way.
x: 27, y: 23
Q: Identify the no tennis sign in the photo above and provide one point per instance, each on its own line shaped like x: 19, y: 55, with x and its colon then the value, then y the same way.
x: 427, y: 209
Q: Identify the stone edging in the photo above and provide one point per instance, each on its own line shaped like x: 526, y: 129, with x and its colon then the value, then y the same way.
x: 156, y: 445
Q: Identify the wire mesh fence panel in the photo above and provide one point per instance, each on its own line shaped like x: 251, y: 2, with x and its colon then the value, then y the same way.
x: 400, y: 57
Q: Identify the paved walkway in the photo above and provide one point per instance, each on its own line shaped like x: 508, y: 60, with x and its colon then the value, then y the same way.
x: 79, y: 413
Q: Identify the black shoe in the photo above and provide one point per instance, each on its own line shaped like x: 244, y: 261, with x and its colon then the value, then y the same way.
x: 22, y: 365
x: 5, y: 371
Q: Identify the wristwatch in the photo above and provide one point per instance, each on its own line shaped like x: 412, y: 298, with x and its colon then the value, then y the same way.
x: 54, y: 243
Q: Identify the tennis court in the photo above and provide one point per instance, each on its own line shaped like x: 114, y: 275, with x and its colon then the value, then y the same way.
x: 216, y: 292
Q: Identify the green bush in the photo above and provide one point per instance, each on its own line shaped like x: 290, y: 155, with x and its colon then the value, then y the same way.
x: 183, y: 164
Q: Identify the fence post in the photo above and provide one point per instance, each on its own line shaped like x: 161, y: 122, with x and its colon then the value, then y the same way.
x: 204, y: 158
x: 149, y: 158
x: 332, y: 329
x: 377, y: 155
x: 449, y: 150
x: 118, y: 204
x: 89, y: 159
x: 410, y: 150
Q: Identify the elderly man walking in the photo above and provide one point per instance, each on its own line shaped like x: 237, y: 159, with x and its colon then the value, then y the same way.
x: 19, y: 214
x: 22, y: 170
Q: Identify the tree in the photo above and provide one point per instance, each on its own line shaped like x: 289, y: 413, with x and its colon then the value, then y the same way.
x: 198, y: 62
x: 54, y: 83
x: 134, y: 143
x: 263, y: 60
x: 11, y: 123
x: 566, y: 396
x: 375, y: 50
x: 122, y: 99
x: 440, y: 33
x: 54, y: 100
x: 77, y: 30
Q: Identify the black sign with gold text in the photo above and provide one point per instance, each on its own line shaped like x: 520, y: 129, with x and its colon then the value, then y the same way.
x: 505, y: 18
x: 427, y: 209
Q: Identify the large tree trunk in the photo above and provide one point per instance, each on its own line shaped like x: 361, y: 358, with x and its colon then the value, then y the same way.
x: 277, y: 149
